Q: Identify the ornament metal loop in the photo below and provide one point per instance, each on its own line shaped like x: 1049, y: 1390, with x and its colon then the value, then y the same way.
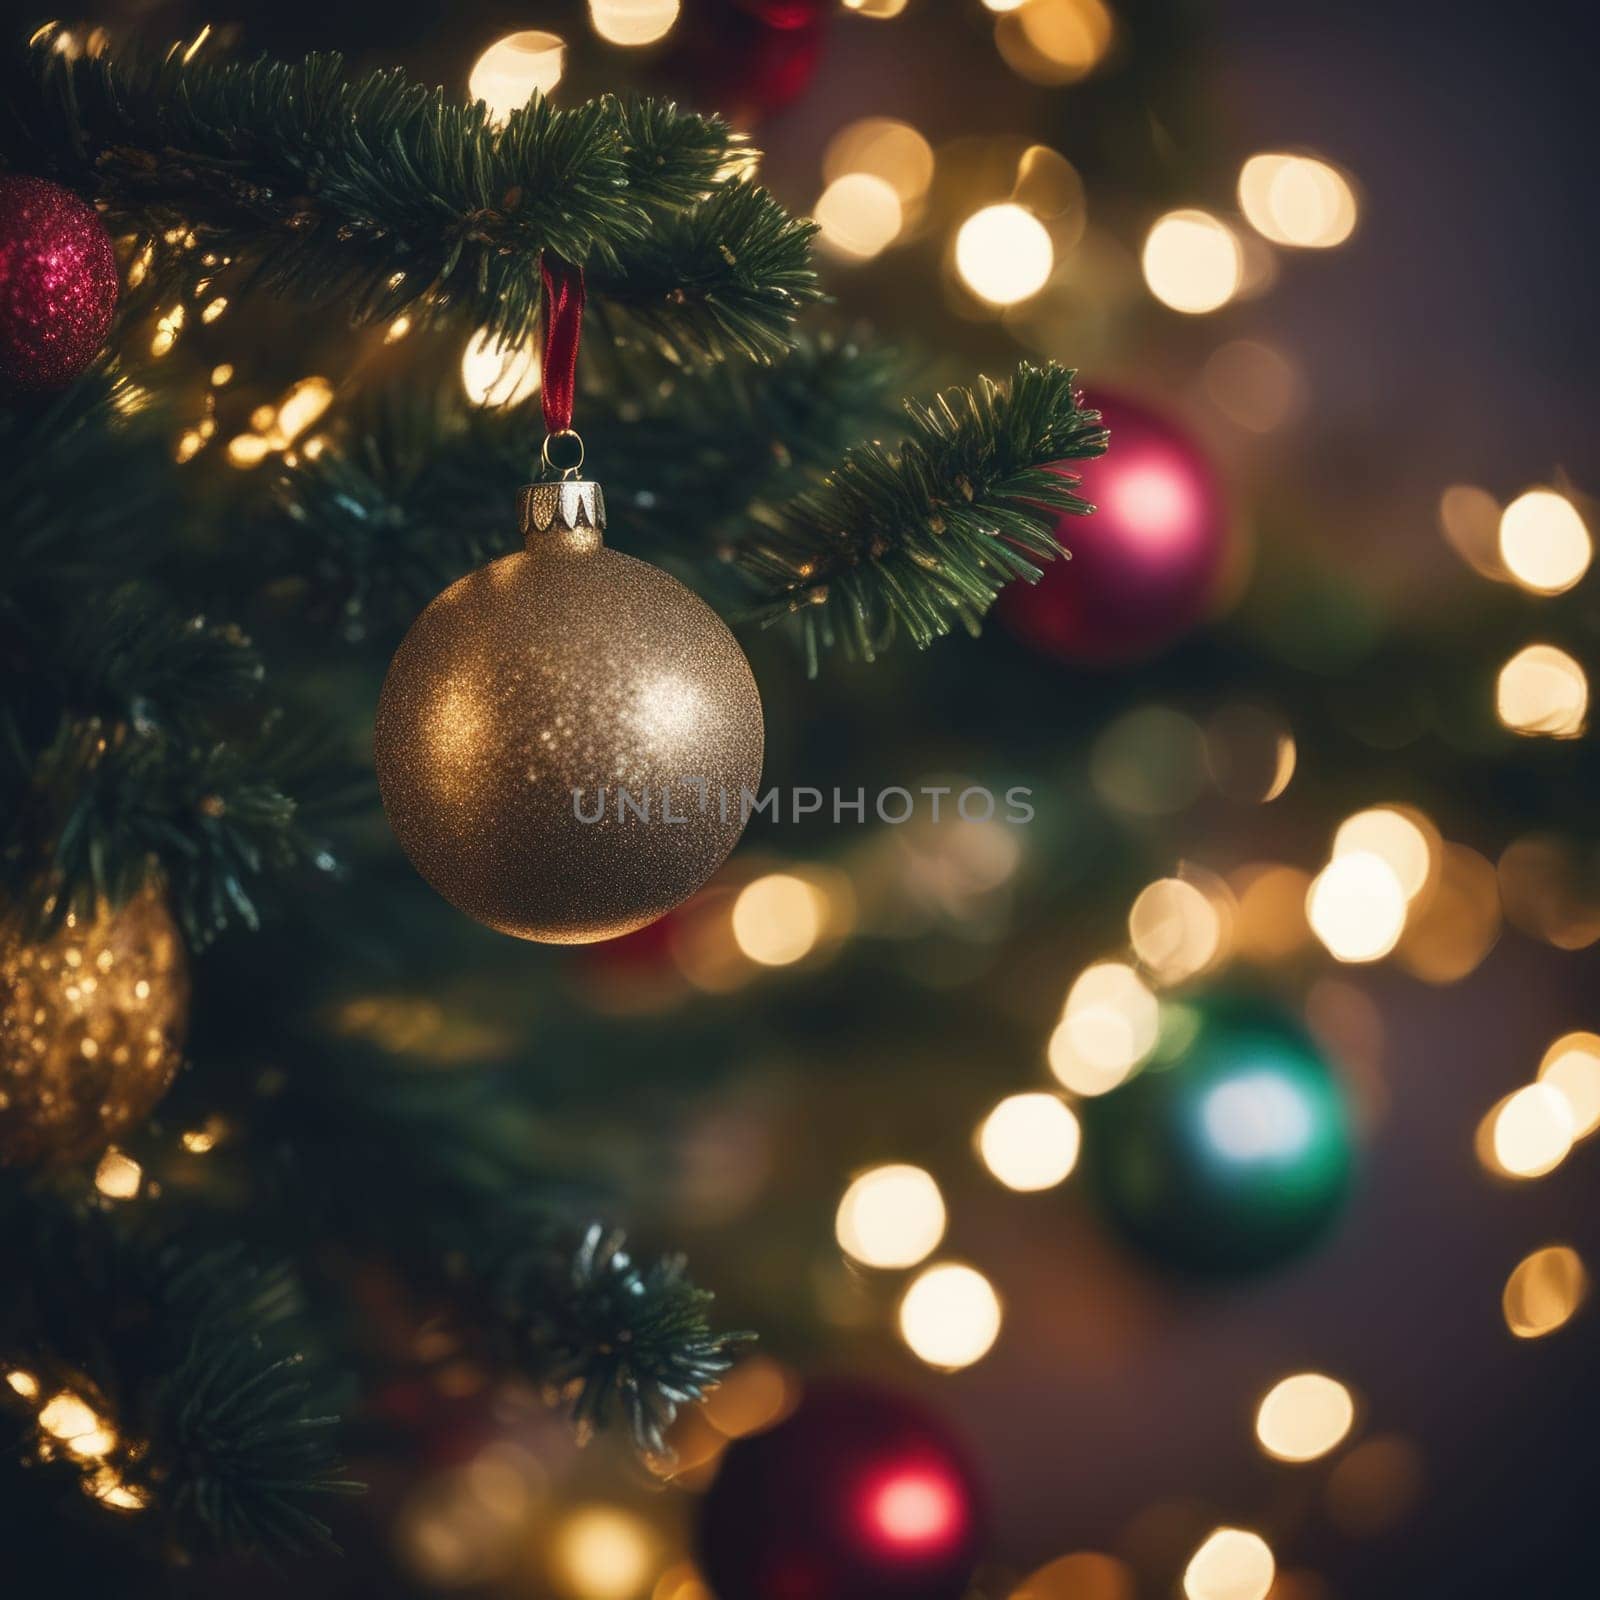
x: 550, y: 466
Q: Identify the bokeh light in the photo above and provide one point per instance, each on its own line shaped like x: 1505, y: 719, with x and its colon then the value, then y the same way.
x: 603, y: 1552
x: 1269, y: 922
x: 1399, y: 835
x: 778, y: 919
x: 950, y: 1316
x: 1375, y: 1486
x: 1232, y: 1564
x: 1448, y: 937
x: 1469, y: 518
x: 1297, y: 200
x: 1357, y: 907
x: 1177, y: 929
x: 1151, y: 762
x: 1543, y: 542
x: 1542, y: 690
x: 756, y: 1395
x: 1192, y: 261
x: 890, y: 1216
x: 514, y: 69
x: 1250, y: 753
x: 493, y: 374
x: 117, y: 1176
x: 858, y: 215
x: 1004, y: 254
x: 1052, y: 41
x: 1571, y: 1067
x: 1550, y: 889
x: 1544, y: 1290
x: 1305, y: 1416
x: 1531, y: 1131
x: 1255, y: 385
x: 1030, y: 1141
x: 1108, y: 1027
x: 886, y: 148
x: 633, y: 22
x: 1083, y: 1575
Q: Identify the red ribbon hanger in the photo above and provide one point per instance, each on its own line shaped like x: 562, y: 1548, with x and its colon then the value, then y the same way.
x: 563, y: 298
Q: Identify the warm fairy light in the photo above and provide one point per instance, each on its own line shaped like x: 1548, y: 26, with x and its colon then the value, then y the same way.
x: 1542, y: 690
x: 1304, y: 1417
x: 633, y: 22
x: 858, y: 215
x: 248, y: 450
x: 1269, y: 921
x: 499, y: 375
x: 1544, y: 1290
x: 1053, y: 41
x: 881, y: 9
x: 65, y: 1416
x: 884, y: 148
x: 1030, y: 1141
x: 1357, y: 907
x: 1004, y: 5
x: 892, y: 1216
x: 1108, y: 1027
x: 221, y: 374
x: 1192, y: 261
x: 1449, y: 936
x: 514, y: 69
x: 1004, y: 254
x: 1543, y: 541
x: 1250, y: 753
x: 1571, y: 1067
x: 118, y: 1176
x: 756, y: 1395
x: 397, y: 330
x: 1255, y: 385
x: 263, y: 417
x: 301, y: 405
x: 1232, y: 1564
x: 1469, y: 518
x: 604, y: 1553
x: 104, y: 1485
x: 1297, y: 200
x: 1176, y: 929
x: 167, y: 330
x: 214, y: 309
x: 23, y: 1383
x: 189, y: 445
x: 1532, y: 1132
x: 778, y: 919
x: 950, y: 1316
x: 1398, y: 835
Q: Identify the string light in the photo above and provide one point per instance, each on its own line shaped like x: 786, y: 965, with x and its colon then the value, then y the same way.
x: 514, y: 69
x: 884, y: 148
x: 604, y: 1552
x: 494, y: 374
x: 118, y: 1176
x: 1297, y: 201
x: 633, y: 22
x: 1192, y: 261
x: 1357, y: 907
x: 778, y: 919
x: 1469, y: 518
x: 1176, y: 929
x: 1532, y: 1131
x: 1052, y: 41
x: 1401, y: 836
x: 1303, y: 1417
x: 1544, y: 1291
x: 1543, y: 542
x: 858, y: 215
x: 1571, y: 1067
x: 1004, y: 254
x: 950, y: 1316
x: 1108, y: 1027
x: 891, y: 1216
x: 1542, y: 691
x: 1030, y: 1141
x: 1232, y: 1564
x: 222, y: 374
x: 1450, y: 935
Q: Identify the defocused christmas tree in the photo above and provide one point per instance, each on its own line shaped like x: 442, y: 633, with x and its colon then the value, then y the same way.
x: 307, y: 1180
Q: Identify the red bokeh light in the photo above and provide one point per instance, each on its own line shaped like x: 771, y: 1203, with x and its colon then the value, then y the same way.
x: 915, y: 1511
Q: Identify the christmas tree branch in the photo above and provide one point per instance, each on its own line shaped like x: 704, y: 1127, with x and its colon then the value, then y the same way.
x: 164, y: 1377
x: 919, y: 535
x: 386, y: 197
x: 133, y: 735
x: 420, y: 487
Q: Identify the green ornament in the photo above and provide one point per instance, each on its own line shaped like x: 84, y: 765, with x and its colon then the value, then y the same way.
x: 1232, y: 1152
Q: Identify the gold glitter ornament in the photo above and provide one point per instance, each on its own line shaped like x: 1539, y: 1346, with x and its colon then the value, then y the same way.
x: 566, y: 736
x: 92, y: 1019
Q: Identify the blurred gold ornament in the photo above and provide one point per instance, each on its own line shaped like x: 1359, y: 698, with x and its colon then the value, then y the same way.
x: 92, y: 1019
x: 566, y: 735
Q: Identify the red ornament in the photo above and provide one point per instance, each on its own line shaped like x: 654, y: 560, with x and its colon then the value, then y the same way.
x: 58, y: 284
x: 752, y: 57
x: 1146, y: 564
x: 859, y: 1495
